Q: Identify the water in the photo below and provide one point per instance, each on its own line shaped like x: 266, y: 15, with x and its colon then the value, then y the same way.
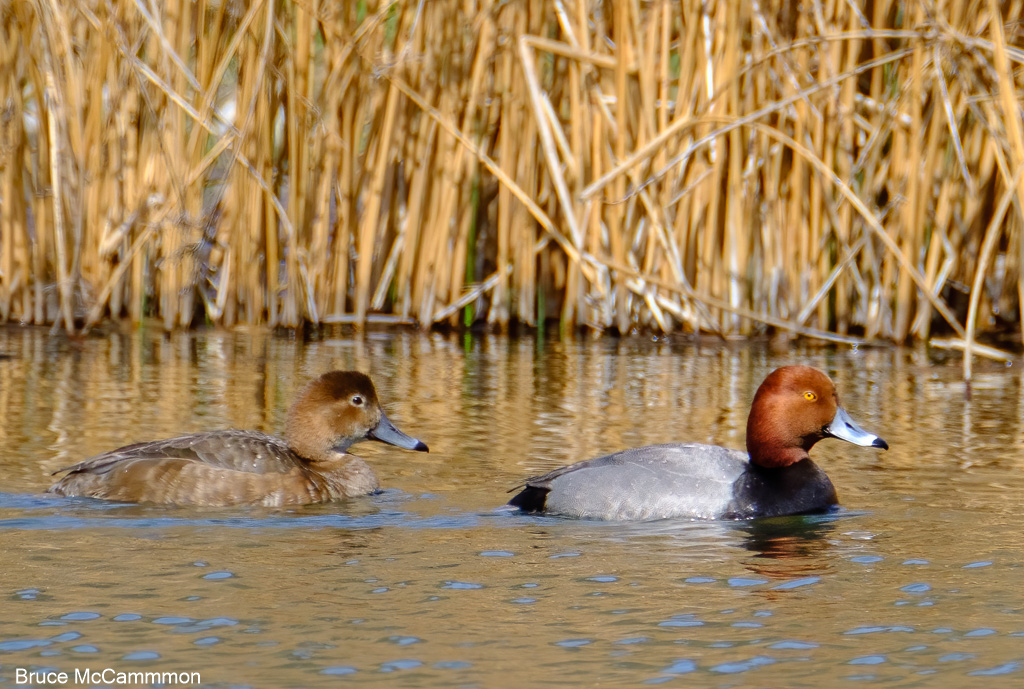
x: 915, y: 582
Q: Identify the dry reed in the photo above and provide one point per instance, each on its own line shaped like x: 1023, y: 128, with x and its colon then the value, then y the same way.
x: 718, y: 167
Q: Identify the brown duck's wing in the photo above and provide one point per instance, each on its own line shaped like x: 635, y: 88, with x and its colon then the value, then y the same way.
x: 250, y: 452
x: 183, y: 482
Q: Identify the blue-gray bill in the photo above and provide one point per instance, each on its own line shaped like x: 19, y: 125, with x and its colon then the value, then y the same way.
x: 387, y: 433
x: 845, y: 428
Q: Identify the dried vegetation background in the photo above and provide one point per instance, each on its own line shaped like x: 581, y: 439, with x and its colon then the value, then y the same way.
x: 836, y: 169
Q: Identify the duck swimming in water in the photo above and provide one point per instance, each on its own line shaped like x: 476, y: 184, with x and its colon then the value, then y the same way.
x: 795, y: 407
x: 233, y: 467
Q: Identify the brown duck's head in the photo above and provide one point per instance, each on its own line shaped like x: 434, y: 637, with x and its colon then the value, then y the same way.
x: 795, y: 407
x: 336, y: 410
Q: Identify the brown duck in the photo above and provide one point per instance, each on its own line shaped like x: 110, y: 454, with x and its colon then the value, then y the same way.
x: 311, y: 464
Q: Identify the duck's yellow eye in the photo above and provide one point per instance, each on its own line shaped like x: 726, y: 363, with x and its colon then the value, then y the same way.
x: 810, y: 396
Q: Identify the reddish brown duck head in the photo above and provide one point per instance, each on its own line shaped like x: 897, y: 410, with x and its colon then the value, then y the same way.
x: 795, y: 407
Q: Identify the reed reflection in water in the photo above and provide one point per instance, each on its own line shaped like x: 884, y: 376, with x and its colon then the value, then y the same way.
x: 431, y: 583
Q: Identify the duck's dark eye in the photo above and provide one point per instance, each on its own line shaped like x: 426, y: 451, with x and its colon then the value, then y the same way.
x: 357, y: 400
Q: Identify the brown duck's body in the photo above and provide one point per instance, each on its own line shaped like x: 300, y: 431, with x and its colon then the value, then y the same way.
x: 311, y: 464
x: 219, y: 468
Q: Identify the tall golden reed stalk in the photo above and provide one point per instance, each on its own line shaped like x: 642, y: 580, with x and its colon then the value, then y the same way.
x: 723, y: 167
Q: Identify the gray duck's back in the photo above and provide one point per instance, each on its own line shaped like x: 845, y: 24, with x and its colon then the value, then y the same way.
x: 653, y: 482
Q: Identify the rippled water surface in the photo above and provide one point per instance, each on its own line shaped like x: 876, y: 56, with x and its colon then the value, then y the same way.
x: 918, y: 581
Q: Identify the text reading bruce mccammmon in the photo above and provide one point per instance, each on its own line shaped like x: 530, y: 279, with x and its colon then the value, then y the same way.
x: 108, y: 676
